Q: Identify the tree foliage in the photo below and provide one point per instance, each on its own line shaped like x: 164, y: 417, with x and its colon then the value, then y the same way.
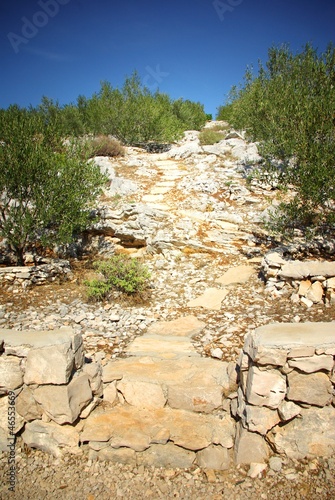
x: 47, y: 187
x: 133, y: 114
x: 289, y: 106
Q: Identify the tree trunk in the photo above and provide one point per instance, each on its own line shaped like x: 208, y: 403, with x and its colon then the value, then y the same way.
x: 19, y: 252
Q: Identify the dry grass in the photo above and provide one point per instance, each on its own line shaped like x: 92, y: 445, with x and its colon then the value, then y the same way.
x: 103, y: 145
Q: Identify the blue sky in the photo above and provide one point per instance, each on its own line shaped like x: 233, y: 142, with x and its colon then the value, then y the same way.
x: 194, y: 49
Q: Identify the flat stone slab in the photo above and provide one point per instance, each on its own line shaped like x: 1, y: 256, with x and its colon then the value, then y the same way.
x: 194, y: 384
x: 126, y: 426
x: 152, y: 198
x: 187, y: 326
x: 19, y: 343
x: 210, y: 299
x: 301, y: 270
x: 291, y: 335
x: 162, y: 346
x: 159, y: 190
x: 239, y: 274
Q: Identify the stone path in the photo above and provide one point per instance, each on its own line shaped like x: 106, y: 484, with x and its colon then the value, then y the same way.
x: 167, y: 402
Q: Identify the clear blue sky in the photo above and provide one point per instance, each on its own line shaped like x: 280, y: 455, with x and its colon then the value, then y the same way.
x: 194, y: 49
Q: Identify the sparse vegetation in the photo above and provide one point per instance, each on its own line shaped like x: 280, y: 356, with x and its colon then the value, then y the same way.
x: 120, y: 272
x: 105, y: 146
x: 208, y: 136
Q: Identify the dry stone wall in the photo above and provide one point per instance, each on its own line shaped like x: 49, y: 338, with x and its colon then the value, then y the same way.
x: 173, y: 411
x: 310, y: 282
x: 26, y: 276
x: 286, y: 393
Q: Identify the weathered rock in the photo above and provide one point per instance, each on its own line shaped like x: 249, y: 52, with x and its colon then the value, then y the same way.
x: 11, y: 376
x: 313, y: 389
x: 214, y: 457
x: 265, y: 388
x: 249, y: 447
x: 195, y: 384
x: 256, y: 469
x: 7, y: 430
x: 94, y: 372
x: 162, y: 346
x: 300, y: 270
x: 51, y: 438
x: 110, y: 393
x: 239, y: 274
x: 64, y: 403
x: 138, y: 428
x: 315, y: 292
x: 167, y: 455
x: 310, y: 436
x: 50, y: 355
x: 142, y: 394
x: 187, y: 326
x: 313, y: 363
x: 26, y: 405
x: 120, y: 455
x: 288, y: 410
x: 259, y: 419
x: 210, y: 299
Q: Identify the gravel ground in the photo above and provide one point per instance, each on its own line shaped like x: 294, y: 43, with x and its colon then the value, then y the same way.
x: 40, y: 476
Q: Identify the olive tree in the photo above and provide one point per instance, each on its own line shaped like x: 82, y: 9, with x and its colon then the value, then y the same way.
x: 289, y: 106
x: 47, y: 186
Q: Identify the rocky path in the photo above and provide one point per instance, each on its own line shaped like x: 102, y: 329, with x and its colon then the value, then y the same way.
x: 191, y: 216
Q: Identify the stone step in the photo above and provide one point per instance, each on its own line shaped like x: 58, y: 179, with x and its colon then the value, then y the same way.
x: 163, y: 347
x: 190, y: 383
x: 161, y: 437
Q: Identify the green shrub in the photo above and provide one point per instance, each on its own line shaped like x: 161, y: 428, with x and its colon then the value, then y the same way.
x: 105, y: 146
x: 208, y: 136
x: 120, y: 272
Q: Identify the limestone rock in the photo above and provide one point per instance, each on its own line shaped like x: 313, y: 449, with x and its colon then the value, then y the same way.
x: 5, y: 432
x: 11, y: 376
x: 300, y: 270
x: 94, y: 372
x: 234, y: 275
x: 265, y: 388
x: 49, y: 365
x: 142, y: 394
x: 213, y: 457
x: 260, y: 419
x: 313, y: 363
x: 315, y: 292
x: 187, y: 326
x: 64, y: 403
x: 167, y: 455
x: 26, y: 405
x: 310, y: 436
x: 137, y: 428
x: 110, y: 393
x: 288, y: 410
x: 249, y: 447
x: 194, y: 384
x: 210, y: 299
x: 120, y: 455
x: 51, y: 438
x: 314, y: 389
